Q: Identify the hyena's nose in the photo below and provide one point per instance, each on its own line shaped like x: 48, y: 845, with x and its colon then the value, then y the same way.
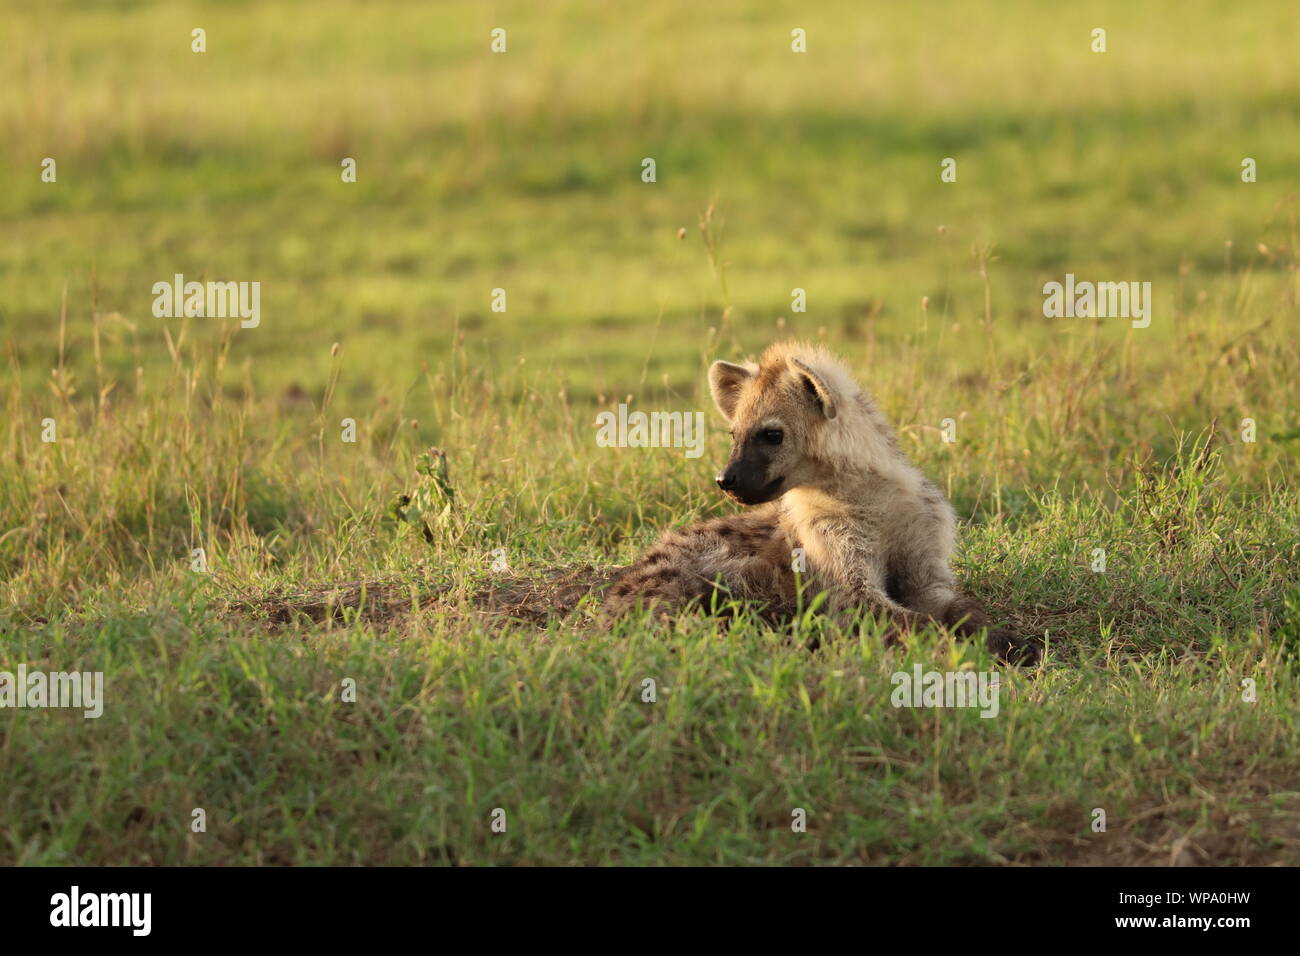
x: 727, y: 480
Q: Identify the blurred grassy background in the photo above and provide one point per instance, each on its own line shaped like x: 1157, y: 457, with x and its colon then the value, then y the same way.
x: 522, y: 171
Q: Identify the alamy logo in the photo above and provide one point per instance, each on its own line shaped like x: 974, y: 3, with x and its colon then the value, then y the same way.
x: 923, y: 688
x: 103, y: 909
x: 654, y: 430
x: 1101, y: 300
x: 59, y: 689
x: 213, y: 300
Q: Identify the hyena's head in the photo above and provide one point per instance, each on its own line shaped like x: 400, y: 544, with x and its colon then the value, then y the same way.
x: 780, y: 411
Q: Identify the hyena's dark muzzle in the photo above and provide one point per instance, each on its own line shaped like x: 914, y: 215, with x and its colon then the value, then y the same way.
x: 746, y: 477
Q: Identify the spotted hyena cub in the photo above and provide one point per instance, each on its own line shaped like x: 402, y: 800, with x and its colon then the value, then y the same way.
x: 821, y: 470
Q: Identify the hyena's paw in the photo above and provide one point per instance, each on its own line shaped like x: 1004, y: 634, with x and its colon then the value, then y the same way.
x: 1011, y: 648
x: 895, y: 637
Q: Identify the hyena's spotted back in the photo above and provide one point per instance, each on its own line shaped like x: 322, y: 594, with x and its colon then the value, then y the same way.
x: 743, y: 557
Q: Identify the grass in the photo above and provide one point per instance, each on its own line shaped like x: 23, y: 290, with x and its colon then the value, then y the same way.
x: 478, y: 689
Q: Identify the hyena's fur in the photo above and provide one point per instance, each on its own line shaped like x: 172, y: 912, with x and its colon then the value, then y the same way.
x: 875, y: 533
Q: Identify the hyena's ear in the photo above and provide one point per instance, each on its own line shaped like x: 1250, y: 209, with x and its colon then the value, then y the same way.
x: 726, y: 381
x: 816, y: 388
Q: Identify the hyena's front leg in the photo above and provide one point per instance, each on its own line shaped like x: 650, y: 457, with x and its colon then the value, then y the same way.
x: 962, y: 614
x: 857, y: 582
x: 899, y: 621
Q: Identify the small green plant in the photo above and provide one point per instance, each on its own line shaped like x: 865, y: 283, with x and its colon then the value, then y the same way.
x: 434, y: 499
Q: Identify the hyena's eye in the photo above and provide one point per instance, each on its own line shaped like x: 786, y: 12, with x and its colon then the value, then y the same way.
x: 771, y: 436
